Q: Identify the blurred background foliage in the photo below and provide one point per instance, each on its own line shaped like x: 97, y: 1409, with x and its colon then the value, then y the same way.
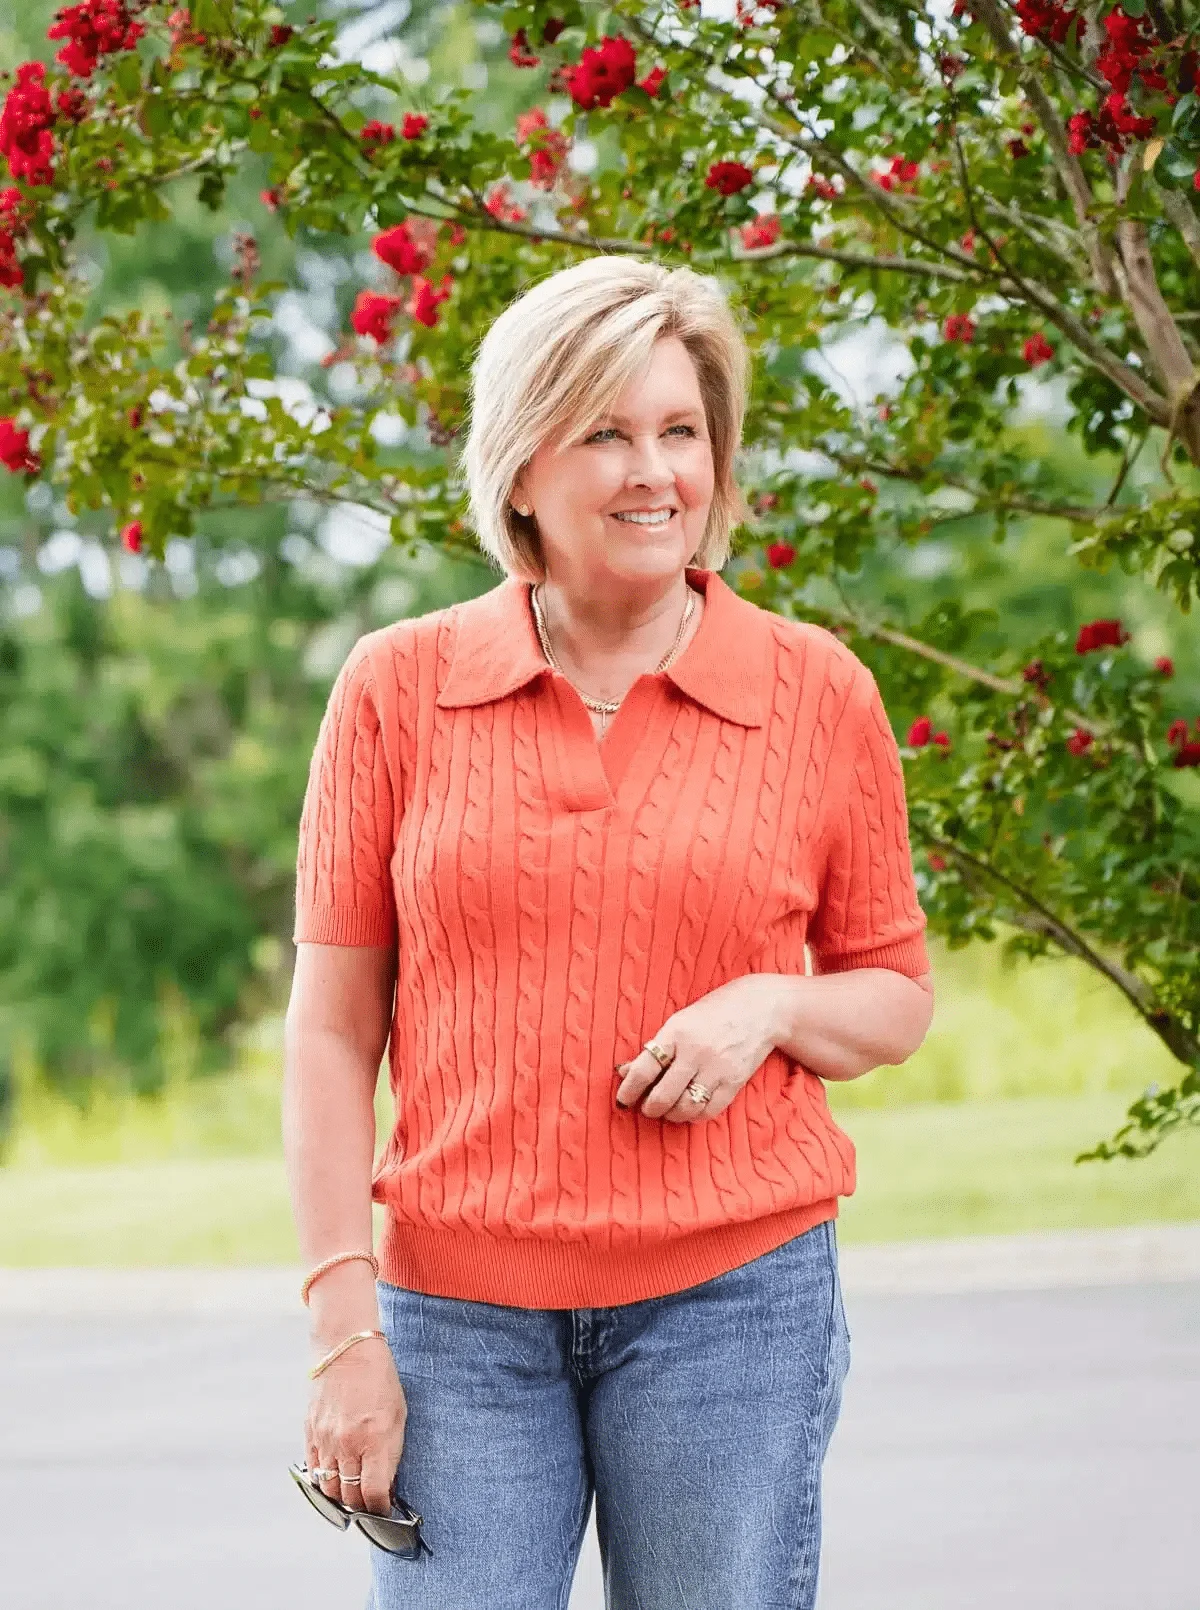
x: 156, y: 724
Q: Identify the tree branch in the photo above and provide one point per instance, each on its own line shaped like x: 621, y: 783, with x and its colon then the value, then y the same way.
x: 1174, y: 1035
x: 1069, y: 168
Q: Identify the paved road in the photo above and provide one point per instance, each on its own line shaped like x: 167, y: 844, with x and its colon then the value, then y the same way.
x: 1038, y: 1449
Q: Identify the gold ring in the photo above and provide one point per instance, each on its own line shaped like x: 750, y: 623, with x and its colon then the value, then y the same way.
x: 663, y: 1057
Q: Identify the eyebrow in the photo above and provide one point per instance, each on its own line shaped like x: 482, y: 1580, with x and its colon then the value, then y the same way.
x: 678, y: 413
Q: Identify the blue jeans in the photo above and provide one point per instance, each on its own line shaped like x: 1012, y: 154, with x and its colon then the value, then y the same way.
x: 699, y: 1420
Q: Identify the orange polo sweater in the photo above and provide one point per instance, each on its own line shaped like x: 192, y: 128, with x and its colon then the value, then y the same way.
x: 555, y: 898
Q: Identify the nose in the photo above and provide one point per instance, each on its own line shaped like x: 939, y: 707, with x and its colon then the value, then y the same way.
x: 651, y: 466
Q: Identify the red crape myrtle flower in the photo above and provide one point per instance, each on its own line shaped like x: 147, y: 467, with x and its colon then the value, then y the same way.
x: 603, y: 71
x: 1037, y: 350
x: 14, y: 221
x: 900, y: 174
x: 763, y: 231
x: 403, y: 249
x: 1079, y: 741
x: 728, y: 177
x: 653, y: 80
x: 1045, y: 19
x: 423, y: 304
x: 942, y: 739
x: 374, y: 134
x: 780, y: 555
x: 26, y: 122
x: 1165, y: 665
x: 920, y: 732
x: 414, y: 125
x: 1188, y: 752
x: 93, y: 29
x: 500, y: 204
x: 825, y: 188
x: 959, y: 327
x: 1100, y: 634
x: 15, y: 453
x: 271, y: 198
x: 131, y: 536
x: 519, y: 52
x: 280, y: 34
x: 1177, y: 733
x: 373, y: 314
x: 937, y: 863
x: 547, y: 147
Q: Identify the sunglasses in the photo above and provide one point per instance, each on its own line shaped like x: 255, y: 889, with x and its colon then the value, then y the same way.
x: 399, y: 1533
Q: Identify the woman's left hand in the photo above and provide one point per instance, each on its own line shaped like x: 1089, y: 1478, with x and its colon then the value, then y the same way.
x: 719, y: 1041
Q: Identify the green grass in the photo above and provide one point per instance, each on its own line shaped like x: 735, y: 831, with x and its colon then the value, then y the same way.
x: 986, y: 1167
x: 1023, y: 1068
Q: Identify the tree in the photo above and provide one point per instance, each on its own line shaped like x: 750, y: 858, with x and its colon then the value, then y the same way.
x: 1008, y: 194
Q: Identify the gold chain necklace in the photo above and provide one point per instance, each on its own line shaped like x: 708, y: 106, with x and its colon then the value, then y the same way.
x: 607, y: 707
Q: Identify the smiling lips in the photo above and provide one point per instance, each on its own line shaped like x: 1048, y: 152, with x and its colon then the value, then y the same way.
x: 646, y: 516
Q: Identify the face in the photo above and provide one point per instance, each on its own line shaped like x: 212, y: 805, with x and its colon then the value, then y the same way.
x: 650, y: 455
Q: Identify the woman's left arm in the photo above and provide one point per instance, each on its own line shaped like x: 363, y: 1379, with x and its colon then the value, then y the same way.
x: 841, y: 1025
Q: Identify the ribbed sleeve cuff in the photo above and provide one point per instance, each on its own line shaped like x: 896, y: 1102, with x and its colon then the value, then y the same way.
x: 907, y: 956
x: 339, y: 925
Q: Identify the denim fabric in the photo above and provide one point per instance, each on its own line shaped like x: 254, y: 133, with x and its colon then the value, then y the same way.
x: 699, y: 1420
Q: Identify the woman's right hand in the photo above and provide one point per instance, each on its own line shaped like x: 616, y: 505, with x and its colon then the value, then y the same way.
x: 357, y: 1409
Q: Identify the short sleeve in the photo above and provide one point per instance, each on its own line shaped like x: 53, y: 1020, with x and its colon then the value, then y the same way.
x: 867, y: 911
x: 344, y: 893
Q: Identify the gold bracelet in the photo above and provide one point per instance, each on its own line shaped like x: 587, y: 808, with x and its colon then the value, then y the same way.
x: 359, y: 1336
x: 339, y: 1257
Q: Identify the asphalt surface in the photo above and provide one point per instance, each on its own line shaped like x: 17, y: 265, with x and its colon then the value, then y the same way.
x: 1031, y: 1448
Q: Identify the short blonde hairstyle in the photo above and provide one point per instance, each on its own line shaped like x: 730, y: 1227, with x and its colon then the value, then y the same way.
x: 554, y: 362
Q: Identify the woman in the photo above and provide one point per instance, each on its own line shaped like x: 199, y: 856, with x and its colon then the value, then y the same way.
x: 562, y: 849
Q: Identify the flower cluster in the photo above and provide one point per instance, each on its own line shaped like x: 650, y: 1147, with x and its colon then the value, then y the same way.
x: 763, y: 231
x: 779, y: 554
x: 1079, y: 741
x: 959, y: 327
x: 1128, y: 53
x: 373, y: 313
x: 900, y: 174
x: 1187, y: 750
x: 408, y: 248
x: 825, y: 188
x: 1037, y: 350
x: 375, y: 134
x: 15, y: 453
x: 602, y: 72
x: 728, y: 177
x: 14, y: 220
x: 1046, y: 19
x: 131, y: 536
x: 425, y: 297
x: 546, y: 147
x: 93, y: 29
x: 500, y: 204
x: 921, y: 733
x: 26, y: 126
x: 1100, y: 634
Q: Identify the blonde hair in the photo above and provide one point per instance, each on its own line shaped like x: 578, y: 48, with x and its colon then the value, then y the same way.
x: 555, y: 360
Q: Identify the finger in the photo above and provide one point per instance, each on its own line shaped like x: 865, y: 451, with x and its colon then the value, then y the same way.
x: 687, y: 1110
x: 667, y: 1092
x: 378, y: 1473
x: 350, y: 1480
x: 639, y: 1074
x: 326, y: 1462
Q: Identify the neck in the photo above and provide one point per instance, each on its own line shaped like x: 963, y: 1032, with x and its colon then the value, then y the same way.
x: 605, y: 643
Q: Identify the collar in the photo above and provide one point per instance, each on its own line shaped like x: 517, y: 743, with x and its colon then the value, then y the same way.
x: 724, y: 667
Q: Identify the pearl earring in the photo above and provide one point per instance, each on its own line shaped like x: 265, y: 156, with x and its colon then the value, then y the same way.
x: 523, y: 508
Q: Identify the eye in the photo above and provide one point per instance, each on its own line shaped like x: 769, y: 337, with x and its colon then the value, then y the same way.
x: 611, y: 430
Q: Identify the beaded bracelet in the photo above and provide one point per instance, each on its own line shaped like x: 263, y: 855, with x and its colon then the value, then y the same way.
x: 340, y: 1257
x: 359, y: 1336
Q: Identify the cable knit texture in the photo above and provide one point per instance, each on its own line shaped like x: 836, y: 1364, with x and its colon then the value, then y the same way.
x: 554, y: 899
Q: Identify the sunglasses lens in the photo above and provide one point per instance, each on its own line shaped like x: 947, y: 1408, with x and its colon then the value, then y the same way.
x: 328, y: 1507
x: 397, y: 1537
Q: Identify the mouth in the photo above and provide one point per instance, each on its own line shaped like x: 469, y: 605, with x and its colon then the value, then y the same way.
x: 647, y: 517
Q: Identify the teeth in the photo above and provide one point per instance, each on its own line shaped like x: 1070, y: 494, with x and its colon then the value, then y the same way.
x: 659, y: 517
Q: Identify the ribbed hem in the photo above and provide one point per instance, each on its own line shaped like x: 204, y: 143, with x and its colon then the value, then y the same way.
x: 339, y: 925
x: 537, y: 1273
x: 908, y: 956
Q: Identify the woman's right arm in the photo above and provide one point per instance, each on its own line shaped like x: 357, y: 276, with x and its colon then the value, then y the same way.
x: 336, y: 1031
